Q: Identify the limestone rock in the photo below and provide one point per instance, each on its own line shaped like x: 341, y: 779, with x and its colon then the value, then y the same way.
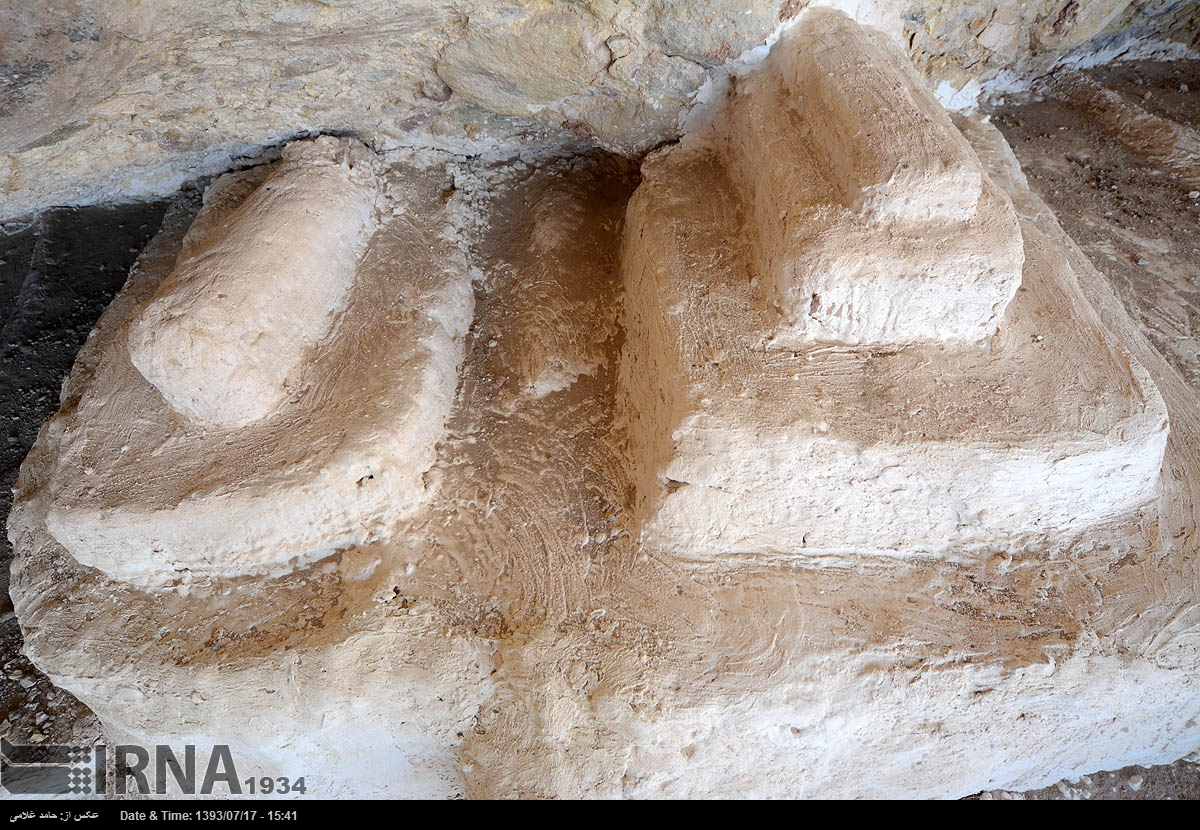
x: 711, y: 33
x: 228, y: 327
x: 112, y: 99
x: 889, y: 145
x: 745, y: 449
x: 874, y: 221
x: 368, y: 696
x: 279, y: 440
x: 428, y: 571
x: 515, y: 636
x: 517, y: 69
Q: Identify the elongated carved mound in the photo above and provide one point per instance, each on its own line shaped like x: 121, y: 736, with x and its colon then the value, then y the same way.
x: 229, y: 328
x: 340, y: 369
x: 887, y: 142
x: 741, y: 446
x: 873, y: 221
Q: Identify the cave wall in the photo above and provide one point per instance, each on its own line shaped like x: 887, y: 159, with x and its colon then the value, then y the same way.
x: 119, y: 98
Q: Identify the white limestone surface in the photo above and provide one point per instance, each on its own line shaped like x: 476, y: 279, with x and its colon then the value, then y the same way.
x: 873, y: 219
x: 235, y: 321
x: 741, y: 445
x: 522, y: 638
x: 145, y: 492
x: 527, y: 633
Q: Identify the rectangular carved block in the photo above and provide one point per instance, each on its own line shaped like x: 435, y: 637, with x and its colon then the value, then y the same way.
x: 873, y: 220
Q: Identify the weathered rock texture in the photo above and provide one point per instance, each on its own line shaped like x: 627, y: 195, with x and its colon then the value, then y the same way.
x: 116, y: 98
x: 1127, y: 194
x: 741, y: 447
x: 875, y: 223
x: 226, y: 333
x: 223, y: 429
x: 520, y: 628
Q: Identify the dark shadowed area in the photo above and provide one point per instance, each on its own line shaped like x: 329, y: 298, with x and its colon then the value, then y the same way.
x: 58, y: 272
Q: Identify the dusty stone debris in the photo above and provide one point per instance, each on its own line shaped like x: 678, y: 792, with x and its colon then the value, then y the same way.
x: 613, y: 399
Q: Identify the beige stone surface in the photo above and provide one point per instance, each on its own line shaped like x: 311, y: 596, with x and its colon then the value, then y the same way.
x: 743, y: 447
x: 117, y: 98
x: 875, y: 223
x: 515, y: 70
x: 229, y: 329
x: 147, y: 492
x: 358, y: 707
x: 888, y: 144
x: 511, y: 631
x: 739, y: 449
